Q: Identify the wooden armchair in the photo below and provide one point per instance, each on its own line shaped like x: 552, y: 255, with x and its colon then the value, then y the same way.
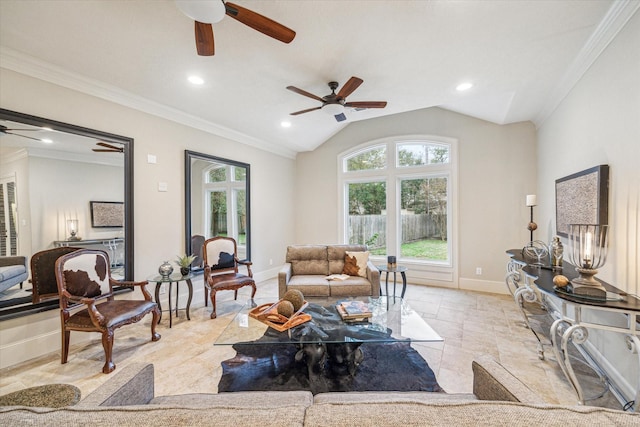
x: 221, y: 269
x: 87, y: 302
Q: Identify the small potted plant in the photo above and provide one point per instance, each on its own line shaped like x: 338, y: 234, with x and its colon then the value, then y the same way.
x: 184, y: 262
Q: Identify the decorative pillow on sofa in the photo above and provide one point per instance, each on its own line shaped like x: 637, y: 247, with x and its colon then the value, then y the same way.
x: 355, y: 263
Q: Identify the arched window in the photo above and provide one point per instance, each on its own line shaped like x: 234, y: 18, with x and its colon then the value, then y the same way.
x: 397, y: 198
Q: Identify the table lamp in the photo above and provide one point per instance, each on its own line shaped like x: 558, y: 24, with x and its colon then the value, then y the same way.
x: 72, y: 224
x: 588, y: 252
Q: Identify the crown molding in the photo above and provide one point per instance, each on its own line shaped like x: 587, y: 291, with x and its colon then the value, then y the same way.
x: 33, y: 67
x: 614, y: 20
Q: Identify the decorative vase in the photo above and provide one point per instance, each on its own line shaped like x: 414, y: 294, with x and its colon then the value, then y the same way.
x: 556, y: 252
x: 165, y: 269
x: 185, y: 270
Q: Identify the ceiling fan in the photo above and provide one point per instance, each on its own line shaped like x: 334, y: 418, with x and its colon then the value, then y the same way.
x: 334, y: 103
x: 205, y: 13
x: 108, y: 148
x: 5, y: 130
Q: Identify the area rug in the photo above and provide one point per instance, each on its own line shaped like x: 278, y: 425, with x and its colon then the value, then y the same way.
x: 393, y: 366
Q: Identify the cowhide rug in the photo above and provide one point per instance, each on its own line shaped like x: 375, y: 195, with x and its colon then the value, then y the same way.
x: 393, y: 366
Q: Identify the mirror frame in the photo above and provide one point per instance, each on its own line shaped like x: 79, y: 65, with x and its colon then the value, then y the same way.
x: 127, y: 143
x: 188, y: 156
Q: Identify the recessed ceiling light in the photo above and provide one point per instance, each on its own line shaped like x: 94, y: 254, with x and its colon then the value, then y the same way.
x: 285, y: 124
x: 46, y: 140
x: 464, y: 86
x: 196, y: 80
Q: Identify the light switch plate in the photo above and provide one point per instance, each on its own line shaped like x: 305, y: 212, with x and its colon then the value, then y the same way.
x: 162, y: 186
x: 151, y: 158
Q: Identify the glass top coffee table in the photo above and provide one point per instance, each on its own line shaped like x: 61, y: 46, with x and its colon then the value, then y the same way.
x: 327, y: 343
x: 390, y: 321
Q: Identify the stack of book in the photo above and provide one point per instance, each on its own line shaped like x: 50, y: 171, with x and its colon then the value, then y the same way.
x: 354, y: 311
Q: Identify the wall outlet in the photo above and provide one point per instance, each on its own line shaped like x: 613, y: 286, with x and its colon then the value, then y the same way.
x: 479, y: 271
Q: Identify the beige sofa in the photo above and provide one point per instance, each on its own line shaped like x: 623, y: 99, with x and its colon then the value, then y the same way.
x: 499, y: 398
x: 307, y: 267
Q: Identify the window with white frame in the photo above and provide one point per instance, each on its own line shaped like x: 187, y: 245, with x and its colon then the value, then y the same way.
x: 397, y: 198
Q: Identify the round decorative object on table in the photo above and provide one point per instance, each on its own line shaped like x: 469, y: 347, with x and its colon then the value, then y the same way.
x: 47, y: 396
x: 185, y: 270
x: 165, y: 269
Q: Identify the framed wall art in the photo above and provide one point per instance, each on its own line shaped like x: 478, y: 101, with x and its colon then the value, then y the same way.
x: 107, y: 214
x: 582, y: 198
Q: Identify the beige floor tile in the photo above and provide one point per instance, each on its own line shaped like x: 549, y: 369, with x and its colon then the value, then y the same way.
x: 186, y: 361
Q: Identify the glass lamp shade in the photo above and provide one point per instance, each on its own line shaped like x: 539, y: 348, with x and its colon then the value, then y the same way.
x: 333, y: 109
x: 72, y: 225
x: 207, y: 12
x: 588, y: 252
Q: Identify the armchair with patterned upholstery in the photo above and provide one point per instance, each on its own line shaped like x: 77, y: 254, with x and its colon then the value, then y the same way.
x: 221, y: 269
x: 87, y: 302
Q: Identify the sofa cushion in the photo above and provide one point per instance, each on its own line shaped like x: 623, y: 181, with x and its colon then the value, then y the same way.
x: 353, y: 286
x: 355, y: 263
x: 244, y: 399
x: 461, y: 413
x: 154, y: 415
x: 310, y: 285
x: 11, y: 271
x: 335, y: 254
x: 386, y: 397
x: 308, y: 259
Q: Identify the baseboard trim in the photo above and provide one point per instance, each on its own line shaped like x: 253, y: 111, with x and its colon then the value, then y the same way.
x: 487, y: 286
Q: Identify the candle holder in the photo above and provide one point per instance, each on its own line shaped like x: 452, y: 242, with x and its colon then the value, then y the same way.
x: 588, y: 252
x: 531, y: 202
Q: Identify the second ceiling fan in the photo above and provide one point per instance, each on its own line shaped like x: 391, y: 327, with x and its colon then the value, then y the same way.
x: 334, y: 103
x: 205, y: 13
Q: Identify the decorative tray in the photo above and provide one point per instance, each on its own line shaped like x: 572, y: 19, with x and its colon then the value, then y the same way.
x: 268, y: 314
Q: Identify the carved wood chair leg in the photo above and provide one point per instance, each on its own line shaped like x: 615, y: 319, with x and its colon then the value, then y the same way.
x: 156, y: 318
x: 107, y: 344
x: 253, y: 292
x: 213, y: 304
x: 65, y: 346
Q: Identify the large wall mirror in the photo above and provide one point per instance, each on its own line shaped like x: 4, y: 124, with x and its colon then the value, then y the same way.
x: 216, y: 202
x: 58, y: 181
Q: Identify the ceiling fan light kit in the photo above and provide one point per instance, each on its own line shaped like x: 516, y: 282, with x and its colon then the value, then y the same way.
x: 333, y: 109
x: 208, y: 12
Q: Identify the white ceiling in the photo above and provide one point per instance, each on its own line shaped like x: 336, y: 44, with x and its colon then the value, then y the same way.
x: 521, y: 56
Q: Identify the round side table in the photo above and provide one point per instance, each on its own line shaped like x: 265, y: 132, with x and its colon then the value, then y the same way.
x: 394, y: 270
x: 174, y: 278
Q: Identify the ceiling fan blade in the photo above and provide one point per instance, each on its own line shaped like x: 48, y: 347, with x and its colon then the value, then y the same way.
x: 349, y: 87
x: 204, y: 39
x: 304, y: 93
x: 260, y: 23
x: 24, y: 136
x: 366, y: 104
x: 104, y: 144
x: 305, y: 111
x: 340, y: 117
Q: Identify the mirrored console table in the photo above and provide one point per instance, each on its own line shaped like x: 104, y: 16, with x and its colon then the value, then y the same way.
x: 572, y: 313
x: 113, y: 245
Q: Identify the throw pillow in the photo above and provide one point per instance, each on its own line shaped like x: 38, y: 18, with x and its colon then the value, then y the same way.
x: 355, y: 263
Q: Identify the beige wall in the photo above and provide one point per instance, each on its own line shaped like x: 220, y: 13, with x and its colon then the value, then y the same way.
x: 599, y: 123
x: 159, y: 216
x: 496, y: 171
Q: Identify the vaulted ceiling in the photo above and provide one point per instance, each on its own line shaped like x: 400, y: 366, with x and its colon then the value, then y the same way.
x: 522, y: 57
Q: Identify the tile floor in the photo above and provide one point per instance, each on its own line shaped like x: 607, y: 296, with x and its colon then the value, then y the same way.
x: 186, y: 361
